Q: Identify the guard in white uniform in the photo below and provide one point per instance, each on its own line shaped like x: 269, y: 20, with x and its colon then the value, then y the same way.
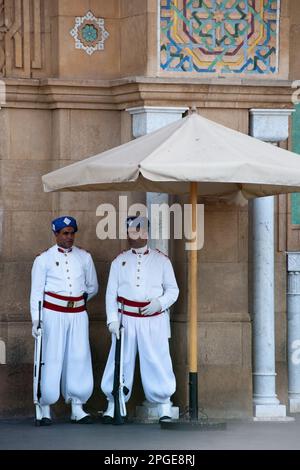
x: 143, y: 281
x: 64, y: 279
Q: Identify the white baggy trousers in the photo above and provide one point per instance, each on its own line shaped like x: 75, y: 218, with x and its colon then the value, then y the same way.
x: 149, y: 336
x: 67, y: 358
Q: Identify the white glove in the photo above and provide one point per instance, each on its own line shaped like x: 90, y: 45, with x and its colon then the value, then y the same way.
x: 36, y: 332
x: 114, y: 328
x: 151, y: 308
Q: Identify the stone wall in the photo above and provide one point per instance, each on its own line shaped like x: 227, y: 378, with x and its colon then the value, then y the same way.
x: 32, y: 143
x: 40, y: 38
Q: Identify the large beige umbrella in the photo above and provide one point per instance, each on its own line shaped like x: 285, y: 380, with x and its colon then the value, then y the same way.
x: 222, y: 161
x: 195, y: 156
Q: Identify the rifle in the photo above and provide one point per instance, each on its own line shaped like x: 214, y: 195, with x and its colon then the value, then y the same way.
x: 37, y: 372
x: 118, y: 388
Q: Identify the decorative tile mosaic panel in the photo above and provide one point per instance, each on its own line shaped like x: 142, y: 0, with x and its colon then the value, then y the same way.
x: 219, y: 36
x: 89, y: 33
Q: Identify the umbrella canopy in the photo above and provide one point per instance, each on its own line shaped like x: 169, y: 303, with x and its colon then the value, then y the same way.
x: 222, y: 161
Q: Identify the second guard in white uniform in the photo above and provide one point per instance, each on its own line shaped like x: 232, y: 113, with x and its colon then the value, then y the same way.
x: 143, y: 281
x: 63, y: 280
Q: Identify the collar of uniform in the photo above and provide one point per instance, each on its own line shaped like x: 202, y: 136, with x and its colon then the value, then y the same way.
x: 62, y: 250
x: 141, y: 251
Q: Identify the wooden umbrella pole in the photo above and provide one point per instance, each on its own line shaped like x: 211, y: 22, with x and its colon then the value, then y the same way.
x: 193, y: 337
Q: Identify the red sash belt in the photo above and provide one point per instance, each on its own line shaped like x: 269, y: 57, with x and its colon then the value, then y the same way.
x: 64, y: 304
x: 133, y: 308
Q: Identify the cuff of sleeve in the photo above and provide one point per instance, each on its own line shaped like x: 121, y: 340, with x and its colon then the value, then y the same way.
x: 162, y: 303
x: 112, y: 317
x: 34, y: 317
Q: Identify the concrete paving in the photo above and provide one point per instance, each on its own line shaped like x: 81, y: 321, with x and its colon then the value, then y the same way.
x: 23, y: 435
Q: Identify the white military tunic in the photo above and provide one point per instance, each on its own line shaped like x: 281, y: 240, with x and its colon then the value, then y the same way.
x: 141, y: 277
x: 66, y: 349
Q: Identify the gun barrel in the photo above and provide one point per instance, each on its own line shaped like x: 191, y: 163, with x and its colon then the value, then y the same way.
x: 117, y: 386
x: 37, y: 363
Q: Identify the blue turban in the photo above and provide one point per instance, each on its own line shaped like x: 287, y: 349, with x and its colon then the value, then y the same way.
x: 137, y: 222
x: 63, y: 222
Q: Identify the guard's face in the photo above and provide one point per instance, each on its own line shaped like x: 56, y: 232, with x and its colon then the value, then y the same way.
x: 65, y: 237
x: 137, y: 238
